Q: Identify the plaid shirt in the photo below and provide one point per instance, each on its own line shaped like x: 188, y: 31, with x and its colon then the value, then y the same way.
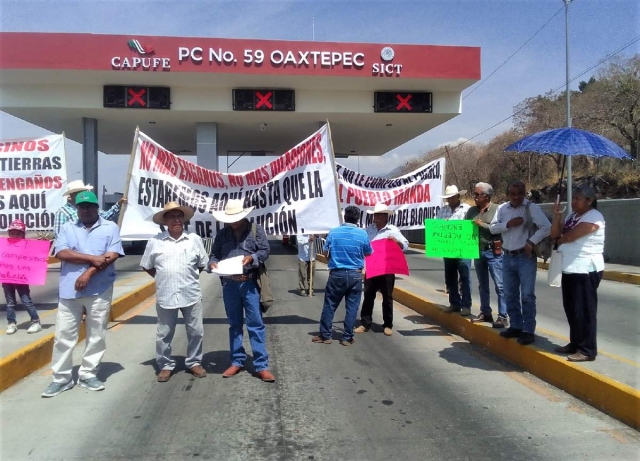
x: 70, y: 213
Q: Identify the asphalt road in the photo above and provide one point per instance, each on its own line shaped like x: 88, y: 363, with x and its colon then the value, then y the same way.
x: 421, y: 394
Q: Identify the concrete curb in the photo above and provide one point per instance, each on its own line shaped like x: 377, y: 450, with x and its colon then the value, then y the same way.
x: 36, y: 355
x: 607, y: 395
x: 615, y: 276
x: 52, y: 260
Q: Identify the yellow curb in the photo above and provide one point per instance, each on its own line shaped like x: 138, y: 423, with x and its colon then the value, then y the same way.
x: 36, y: 355
x: 417, y: 246
x: 52, y: 260
x: 607, y: 395
x: 615, y: 276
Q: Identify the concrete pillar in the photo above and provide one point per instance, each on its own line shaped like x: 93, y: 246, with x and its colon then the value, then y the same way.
x: 207, y: 140
x: 90, y: 152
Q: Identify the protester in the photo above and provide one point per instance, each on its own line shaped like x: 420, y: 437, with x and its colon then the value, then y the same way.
x: 380, y: 229
x: 17, y: 230
x: 457, y: 271
x: 490, y: 260
x: 175, y: 258
x: 519, y: 265
x: 68, y: 212
x: 306, y: 263
x: 345, y: 246
x: 240, y: 292
x: 581, y: 243
x: 87, y: 247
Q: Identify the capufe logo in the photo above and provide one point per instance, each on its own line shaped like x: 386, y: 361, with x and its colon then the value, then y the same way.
x: 143, y: 59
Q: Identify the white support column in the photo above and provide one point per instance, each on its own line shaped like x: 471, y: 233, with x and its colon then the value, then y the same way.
x: 207, y: 141
x: 90, y: 152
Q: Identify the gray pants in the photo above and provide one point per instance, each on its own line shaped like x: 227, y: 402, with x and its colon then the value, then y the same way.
x: 167, y: 320
x: 304, y: 274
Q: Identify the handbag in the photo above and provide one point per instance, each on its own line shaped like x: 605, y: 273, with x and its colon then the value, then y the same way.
x: 554, y: 274
x: 263, y: 281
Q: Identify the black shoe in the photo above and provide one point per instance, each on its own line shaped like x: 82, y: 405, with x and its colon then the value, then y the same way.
x: 511, y: 333
x: 482, y: 318
x: 526, y: 338
x: 568, y: 349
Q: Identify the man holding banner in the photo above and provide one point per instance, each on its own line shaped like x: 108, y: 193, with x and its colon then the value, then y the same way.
x: 459, y: 290
x: 380, y: 229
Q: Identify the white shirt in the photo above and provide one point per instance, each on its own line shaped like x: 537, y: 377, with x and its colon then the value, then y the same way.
x: 176, y: 262
x: 304, y: 247
x: 515, y: 238
x: 458, y: 213
x: 389, y: 230
x: 584, y: 255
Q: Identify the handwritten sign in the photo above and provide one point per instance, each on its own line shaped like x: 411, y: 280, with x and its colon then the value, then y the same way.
x: 387, y: 258
x: 23, y: 261
x: 451, y: 239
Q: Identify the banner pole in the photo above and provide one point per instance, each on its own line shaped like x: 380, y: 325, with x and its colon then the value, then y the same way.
x: 335, y: 172
x: 126, y: 185
x: 312, y: 251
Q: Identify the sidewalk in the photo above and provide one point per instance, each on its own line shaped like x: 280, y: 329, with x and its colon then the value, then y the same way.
x: 22, y: 353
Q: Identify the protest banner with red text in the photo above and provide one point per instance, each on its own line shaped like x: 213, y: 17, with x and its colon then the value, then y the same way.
x: 413, y: 197
x: 293, y: 194
x: 33, y: 175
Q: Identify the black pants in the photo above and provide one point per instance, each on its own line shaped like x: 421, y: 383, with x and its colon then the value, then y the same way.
x: 384, y: 284
x: 580, y: 300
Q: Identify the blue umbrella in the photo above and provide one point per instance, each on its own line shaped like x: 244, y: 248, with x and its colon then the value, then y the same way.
x: 570, y: 142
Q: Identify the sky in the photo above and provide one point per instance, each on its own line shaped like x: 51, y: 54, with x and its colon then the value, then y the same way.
x: 499, y: 27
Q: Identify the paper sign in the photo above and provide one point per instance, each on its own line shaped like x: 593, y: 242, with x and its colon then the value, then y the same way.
x: 451, y: 239
x: 23, y: 261
x: 387, y: 258
x: 229, y: 266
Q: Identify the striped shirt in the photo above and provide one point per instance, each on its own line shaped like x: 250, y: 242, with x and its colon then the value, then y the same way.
x: 347, y: 246
x: 177, y: 263
x: 70, y: 213
x: 459, y: 213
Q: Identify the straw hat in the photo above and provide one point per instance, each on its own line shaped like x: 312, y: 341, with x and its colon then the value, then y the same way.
x: 77, y: 186
x: 380, y: 207
x: 234, y: 211
x: 158, y: 218
x: 450, y: 191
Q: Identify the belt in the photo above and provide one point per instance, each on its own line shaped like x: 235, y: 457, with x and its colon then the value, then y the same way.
x: 514, y: 252
x: 351, y: 270
x: 238, y: 278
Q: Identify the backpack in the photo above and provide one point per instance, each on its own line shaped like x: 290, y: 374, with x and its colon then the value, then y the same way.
x: 264, y: 282
x: 544, y: 248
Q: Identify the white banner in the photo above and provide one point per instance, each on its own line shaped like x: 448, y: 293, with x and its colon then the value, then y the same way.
x: 33, y: 176
x: 413, y: 197
x: 293, y: 194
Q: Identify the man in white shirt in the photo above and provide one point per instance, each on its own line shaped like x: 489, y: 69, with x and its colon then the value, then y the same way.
x: 306, y: 263
x: 380, y: 229
x: 457, y: 272
x: 520, y: 264
x: 175, y: 259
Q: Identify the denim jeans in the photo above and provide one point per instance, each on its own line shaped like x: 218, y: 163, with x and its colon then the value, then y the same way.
x: 452, y: 268
x: 25, y: 296
x: 487, y: 264
x: 345, y: 284
x: 519, y: 280
x: 243, y: 299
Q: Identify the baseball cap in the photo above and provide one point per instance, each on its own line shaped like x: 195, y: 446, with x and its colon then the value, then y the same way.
x: 86, y: 197
x: 17, y: 225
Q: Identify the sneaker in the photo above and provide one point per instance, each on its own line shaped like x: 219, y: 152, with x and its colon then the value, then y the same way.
x: 488, y: 318
x: 388, y: 331
x: 303, y: 293
x: 11, y: 329
x: 57, y: 388
x: 511, y: 333
x: 93, y: 384
x: 450, y: 309
x: 361, y: 329
x: 465, y: 312
x: 526, y: 338
x: 35, y: 327
x: 501, y: 322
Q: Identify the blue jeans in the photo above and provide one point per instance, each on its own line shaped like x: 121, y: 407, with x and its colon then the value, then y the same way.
x: 519, y: 278
x: 240, y: 299
x: 452, y: 268
x: 487, y: 264
x: 25, y: 296
x: 345, y: 284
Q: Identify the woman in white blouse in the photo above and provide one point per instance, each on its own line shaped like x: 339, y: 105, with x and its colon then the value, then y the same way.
x: 581, y: 242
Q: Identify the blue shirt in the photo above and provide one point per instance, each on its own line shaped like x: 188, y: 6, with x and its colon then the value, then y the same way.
x: 347, y: 246
x: 227, y: 246
x: 103, y: 237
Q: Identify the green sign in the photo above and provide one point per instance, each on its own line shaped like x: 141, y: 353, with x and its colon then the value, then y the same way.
x: 451, y: 239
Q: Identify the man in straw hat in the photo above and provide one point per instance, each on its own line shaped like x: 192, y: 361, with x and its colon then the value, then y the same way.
x: 87, y: 247
x: 459, y: 289
x: 380, y: 229
x: 175, y: 258
x: 240, y: 292
x: 68, y: 212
